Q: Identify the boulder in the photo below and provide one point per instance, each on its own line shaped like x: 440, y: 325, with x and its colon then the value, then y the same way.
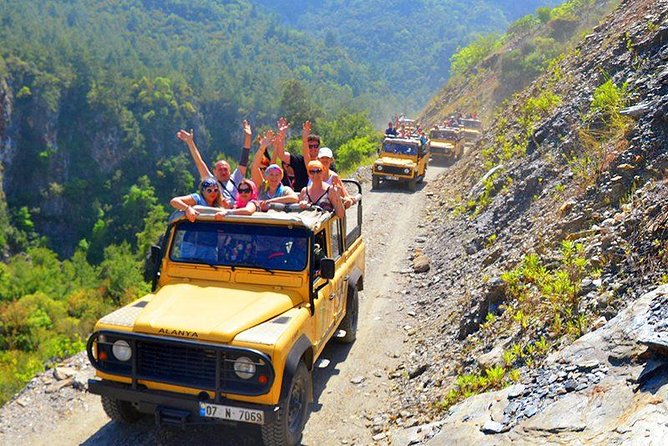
x: 421, y: 264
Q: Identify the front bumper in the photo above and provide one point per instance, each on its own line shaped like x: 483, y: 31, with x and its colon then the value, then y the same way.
x: 170, y: 408
x: 442, y: 153
x: 389, y: 177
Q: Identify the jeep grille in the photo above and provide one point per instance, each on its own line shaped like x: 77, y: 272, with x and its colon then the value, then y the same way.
x: 193, y: 364
x: 391, y: 170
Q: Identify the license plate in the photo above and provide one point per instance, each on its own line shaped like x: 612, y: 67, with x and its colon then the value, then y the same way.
x: 231, y: 413
x: 391, y: 177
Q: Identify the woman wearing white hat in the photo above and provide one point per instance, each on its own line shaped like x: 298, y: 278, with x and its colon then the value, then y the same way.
x: 326, y: 157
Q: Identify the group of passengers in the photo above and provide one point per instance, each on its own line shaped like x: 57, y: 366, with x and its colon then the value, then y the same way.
x: 233, y: 194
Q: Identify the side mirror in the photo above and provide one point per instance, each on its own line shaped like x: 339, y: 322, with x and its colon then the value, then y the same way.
x: 152, y: 263
x: 327, y: 268
x: 155, y: 255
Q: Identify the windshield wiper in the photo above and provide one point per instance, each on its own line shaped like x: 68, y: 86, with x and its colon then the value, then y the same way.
x: 252, y: 265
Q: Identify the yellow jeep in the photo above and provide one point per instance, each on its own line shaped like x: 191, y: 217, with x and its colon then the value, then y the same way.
x: 446, y: 144
x: 240, y: 312
x: 401, y: 160
x: 471, y: 130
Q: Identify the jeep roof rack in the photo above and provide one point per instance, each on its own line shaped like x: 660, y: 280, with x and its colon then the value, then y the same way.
x: 312, y: 219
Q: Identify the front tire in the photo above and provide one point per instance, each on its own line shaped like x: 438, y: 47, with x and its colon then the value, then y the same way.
x: 375, y: 182
x: 120, y: 411
x: 349, y: 321
x: 412, y: 185
x: 287, y: 427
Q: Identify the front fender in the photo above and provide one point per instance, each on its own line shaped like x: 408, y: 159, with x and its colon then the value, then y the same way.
x: 302, y: 347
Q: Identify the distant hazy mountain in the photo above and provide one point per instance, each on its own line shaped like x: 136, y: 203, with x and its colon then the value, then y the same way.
x: 406, y: 43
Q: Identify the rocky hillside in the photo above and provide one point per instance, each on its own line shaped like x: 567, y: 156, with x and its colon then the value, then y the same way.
x: 544, y: 242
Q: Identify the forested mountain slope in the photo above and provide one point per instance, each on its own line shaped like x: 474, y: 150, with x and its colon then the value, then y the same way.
x: 91, y: 97
x: 406, y: 44
x: 93, y: 94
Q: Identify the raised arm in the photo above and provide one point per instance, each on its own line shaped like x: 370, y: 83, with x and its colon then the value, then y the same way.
x: 187, y: 138
x: 306, y: 130
x: 245, y: 150
x: 279, y: 141
x: 256, y: 173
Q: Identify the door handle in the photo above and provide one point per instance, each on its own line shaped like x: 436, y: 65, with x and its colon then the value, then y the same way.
x: 332, y: 296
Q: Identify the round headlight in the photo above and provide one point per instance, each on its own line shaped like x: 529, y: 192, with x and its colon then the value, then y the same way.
x: 379, y: 168
x: 122, y: 350
x: 407, y: 171
x: 244, y: 367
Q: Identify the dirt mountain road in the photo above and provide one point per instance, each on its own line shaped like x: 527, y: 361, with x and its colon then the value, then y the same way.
x: 350, y: 394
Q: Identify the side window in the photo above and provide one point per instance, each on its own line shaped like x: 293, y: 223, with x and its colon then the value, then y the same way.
x: 319, y: 251
x: 352, y: 224
x: 337, y: 247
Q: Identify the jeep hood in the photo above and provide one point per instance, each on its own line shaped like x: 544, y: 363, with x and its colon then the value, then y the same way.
x: 441, y: 145
x: 391, y: 161
x: 209, y: 313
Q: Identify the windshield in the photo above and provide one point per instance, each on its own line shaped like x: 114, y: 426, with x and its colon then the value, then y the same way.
x: 443, y: 134
x: 471, y: 124
x: 266, y: 247
x: 398, y: 148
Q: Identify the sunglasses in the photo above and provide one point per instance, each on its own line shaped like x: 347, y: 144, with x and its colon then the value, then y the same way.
x: 314, y: 171
x: 211, y: 189
x: 313, y: 146
x: 244, y: 191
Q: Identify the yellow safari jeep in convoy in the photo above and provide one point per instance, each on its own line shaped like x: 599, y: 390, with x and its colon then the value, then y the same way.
x: 401, y: 160
x: 471, y: 129
x: 446, y: 144
x: 241, y: 310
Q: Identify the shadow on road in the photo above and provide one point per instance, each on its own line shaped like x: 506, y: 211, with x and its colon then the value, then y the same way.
x: 397, y: 188
x: 336, y: 354
x: 147, y: 433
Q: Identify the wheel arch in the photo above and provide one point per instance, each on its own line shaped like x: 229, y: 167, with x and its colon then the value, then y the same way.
x: 356, y: 279
x: 302, y: 349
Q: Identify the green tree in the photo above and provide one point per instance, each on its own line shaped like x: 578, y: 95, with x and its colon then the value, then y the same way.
x: 121, y: 274
x: 296, y: 104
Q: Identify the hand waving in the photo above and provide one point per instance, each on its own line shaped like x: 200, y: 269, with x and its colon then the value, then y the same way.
x: 185, y: 136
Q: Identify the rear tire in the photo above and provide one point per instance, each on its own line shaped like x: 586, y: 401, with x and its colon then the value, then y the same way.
x: 349, y: 321
x: 287, y: 427
x: 120, y: 411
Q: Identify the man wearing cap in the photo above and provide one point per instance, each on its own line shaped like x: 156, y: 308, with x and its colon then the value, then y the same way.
x: 270, y: 189
x: 221, y: 169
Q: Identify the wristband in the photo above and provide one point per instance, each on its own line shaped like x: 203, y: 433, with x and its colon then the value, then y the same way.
x: 243, y: 161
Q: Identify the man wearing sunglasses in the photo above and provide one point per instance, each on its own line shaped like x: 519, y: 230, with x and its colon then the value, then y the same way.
x: 310, y: 147
x: 221, y: 169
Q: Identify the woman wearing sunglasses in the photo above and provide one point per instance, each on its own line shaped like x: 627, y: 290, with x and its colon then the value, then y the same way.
x: 246, y: 203
x: 319, y: 193
x: 209, y: 195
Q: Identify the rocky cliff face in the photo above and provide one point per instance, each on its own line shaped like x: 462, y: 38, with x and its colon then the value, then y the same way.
x: 610, y: 198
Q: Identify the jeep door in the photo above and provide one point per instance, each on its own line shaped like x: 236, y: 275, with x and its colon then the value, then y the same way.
x: 323, y: 302
x: 339, y: 283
